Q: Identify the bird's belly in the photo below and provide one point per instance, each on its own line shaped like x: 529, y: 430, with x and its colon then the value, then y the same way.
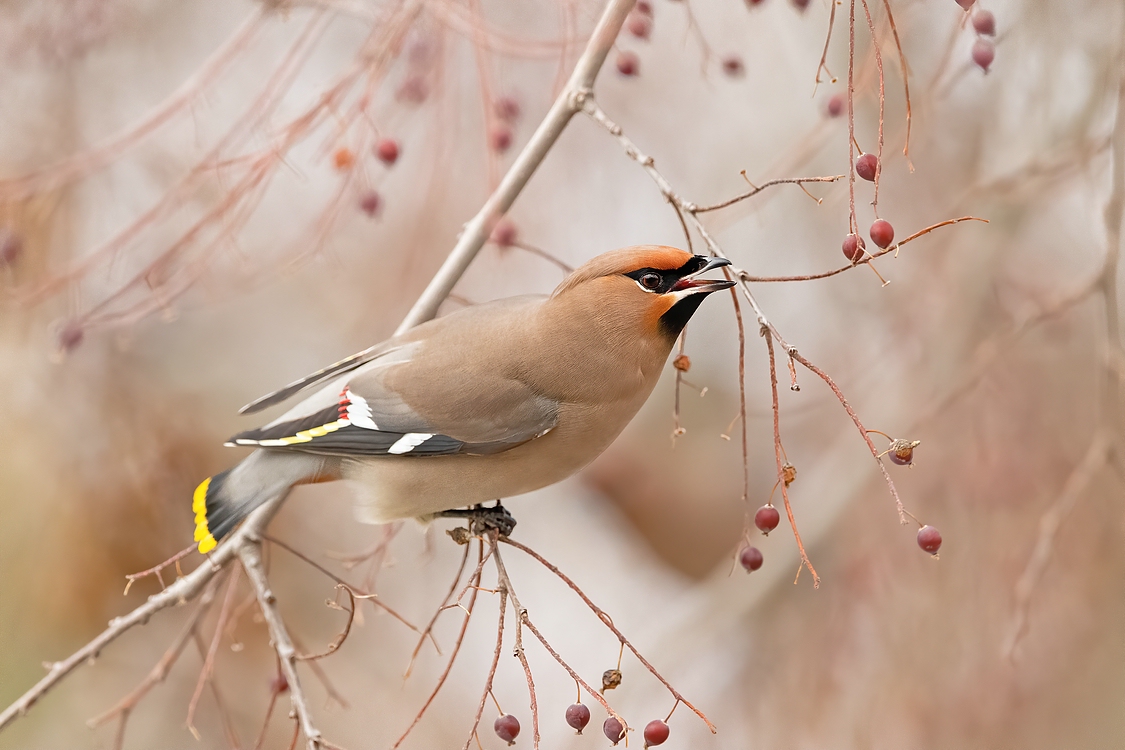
x: 394, y: 487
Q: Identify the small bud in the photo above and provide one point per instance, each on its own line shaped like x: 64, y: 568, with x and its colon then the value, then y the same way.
x: 866, y: 166
x: 984, y: 52
x: 882, y: 233
x: 613, y: 730
x: 577, y: 716
x: 387, y: 150
x: 611, y: 678
x: 751, y: 559
x: 682, y: 362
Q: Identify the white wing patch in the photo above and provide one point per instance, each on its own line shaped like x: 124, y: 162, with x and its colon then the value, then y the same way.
x: 359, y: 413
x: 409, y: 442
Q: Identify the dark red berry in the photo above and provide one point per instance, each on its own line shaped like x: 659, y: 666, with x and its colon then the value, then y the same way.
x: 504, y: 233
x: 656, y: 733
x: 751, y: 558
x: 500, y: 138
x: 577, y: 716
x: 733, y: 67
x: 279, y: 684
x: 929, y: 539
x: 639, y: 25
x: 507, y: 728
x: 866, y: 166
x: 506, y: 108
x: 71, y: 335
x: 984, y: 22
x: 966, y: 4
x: 984, y: 52
x: 413, y: 90
x: 370, y: 202
x: 11, y: 245
x: 882, y: 233
x: 628, y: 64
x: 613, y: 730
x: 387, y: 150
x: 836, y: 104
x: 801, y: 4
x: 854, y: 247
x: 767, y: 518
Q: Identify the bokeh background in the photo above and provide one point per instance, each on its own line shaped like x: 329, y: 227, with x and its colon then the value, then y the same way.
x: 152, y: 282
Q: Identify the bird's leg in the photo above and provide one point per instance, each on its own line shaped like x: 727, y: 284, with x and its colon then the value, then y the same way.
x: 482, y: 519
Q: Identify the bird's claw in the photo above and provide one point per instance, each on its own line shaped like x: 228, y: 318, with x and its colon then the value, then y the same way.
x: 482, y: 519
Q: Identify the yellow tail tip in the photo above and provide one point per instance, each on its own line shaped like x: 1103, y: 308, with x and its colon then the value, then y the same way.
x: 199, y: 507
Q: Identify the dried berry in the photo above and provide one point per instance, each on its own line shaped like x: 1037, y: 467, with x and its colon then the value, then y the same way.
x: 882, y: 233
x: 507, y: 728
x: 639, y: 25
x: 854, y: 247
x: 506, y: 108
x: 387, y: 150
x: 628, y: 64
x: 613, y: 730
x: 836, y: 104
x: 370, y: 202
x: 929, y: 539
x: 656, y: 733
x: 500, y: 138
x: 966, y: 4
x: 866, y: 166
x: 766, y: 519
x: 733, y: 66
x: 751, y: 559
x: 682, y: 362
x: 577, y: 716
x: 343, y: 158
x: 902, y: 451
x: 611, y: 678
x: 984, y: 52
x: 504, y: 233
x: 984, y: 22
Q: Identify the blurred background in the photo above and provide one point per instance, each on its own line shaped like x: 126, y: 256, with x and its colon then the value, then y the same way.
x: 194, y: 210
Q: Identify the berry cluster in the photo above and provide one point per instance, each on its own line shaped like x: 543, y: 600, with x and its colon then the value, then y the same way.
x: 984, y: 23
x: 507, y: 727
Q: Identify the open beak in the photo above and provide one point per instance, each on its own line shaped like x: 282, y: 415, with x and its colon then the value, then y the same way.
x: 693, y: 285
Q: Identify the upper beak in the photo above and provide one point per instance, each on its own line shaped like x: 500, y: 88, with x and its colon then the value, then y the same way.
x: 690, y: 282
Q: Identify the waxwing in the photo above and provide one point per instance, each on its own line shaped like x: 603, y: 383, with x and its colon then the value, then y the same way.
x: 485, y: 403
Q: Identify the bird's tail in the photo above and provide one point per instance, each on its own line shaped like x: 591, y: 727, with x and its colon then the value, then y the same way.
x: 223, y: 500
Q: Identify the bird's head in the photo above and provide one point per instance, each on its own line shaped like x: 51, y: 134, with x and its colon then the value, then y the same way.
x: 652, y: 286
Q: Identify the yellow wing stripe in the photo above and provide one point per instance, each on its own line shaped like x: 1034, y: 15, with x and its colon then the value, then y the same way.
x: 199, y: 507
x: 303, y: 436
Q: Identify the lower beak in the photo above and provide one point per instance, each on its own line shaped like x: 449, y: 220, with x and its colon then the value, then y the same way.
x: 692, y: 284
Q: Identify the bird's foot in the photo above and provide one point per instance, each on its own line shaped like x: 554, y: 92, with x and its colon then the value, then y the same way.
x: 482, y: 519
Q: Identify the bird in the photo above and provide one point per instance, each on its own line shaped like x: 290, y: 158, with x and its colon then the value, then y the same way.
x: 488, y: 402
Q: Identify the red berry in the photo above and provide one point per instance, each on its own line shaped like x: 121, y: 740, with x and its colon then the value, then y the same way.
x: 801, y: 4
x: 413, y: 90
x: 836, y: 104
x: 500, y: 138
x: 854, y: 247
x: 504, y: 233
x: 984, y: 52
x: 929, y: 539
x: 387, y: 150
x: 733, y: 67
x: 751, y: 558
x: 639, y: 26
x: 71, y: 336
x: 11, y: 245
x: 644, y: 7
x: 507, y: 728
x: 613, y: 729
x: 984, y: 22
x: 656, y: 733
x: 506, y: 108
x: 628, y: 64
x: 966, y: 4
x: 754, y: 2
x: 279, y: 684
x: 370, y: 202
x: 866, y: 166
x: 882, y: 233
x: 577, y: 716
x: 767, y: 518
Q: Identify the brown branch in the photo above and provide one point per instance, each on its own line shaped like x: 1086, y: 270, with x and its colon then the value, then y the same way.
x: 209, y: 660
x: 608, y: 622
x: 429, y: 629
x: 343, y: 634
x: 521, y: 614
x: 882, y: 104
x: 492, y: 668
x: 905, y: 80
x: 156, y: 569
x: 759, y: 188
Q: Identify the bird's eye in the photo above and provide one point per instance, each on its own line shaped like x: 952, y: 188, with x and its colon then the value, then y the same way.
x: 651, y: 281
